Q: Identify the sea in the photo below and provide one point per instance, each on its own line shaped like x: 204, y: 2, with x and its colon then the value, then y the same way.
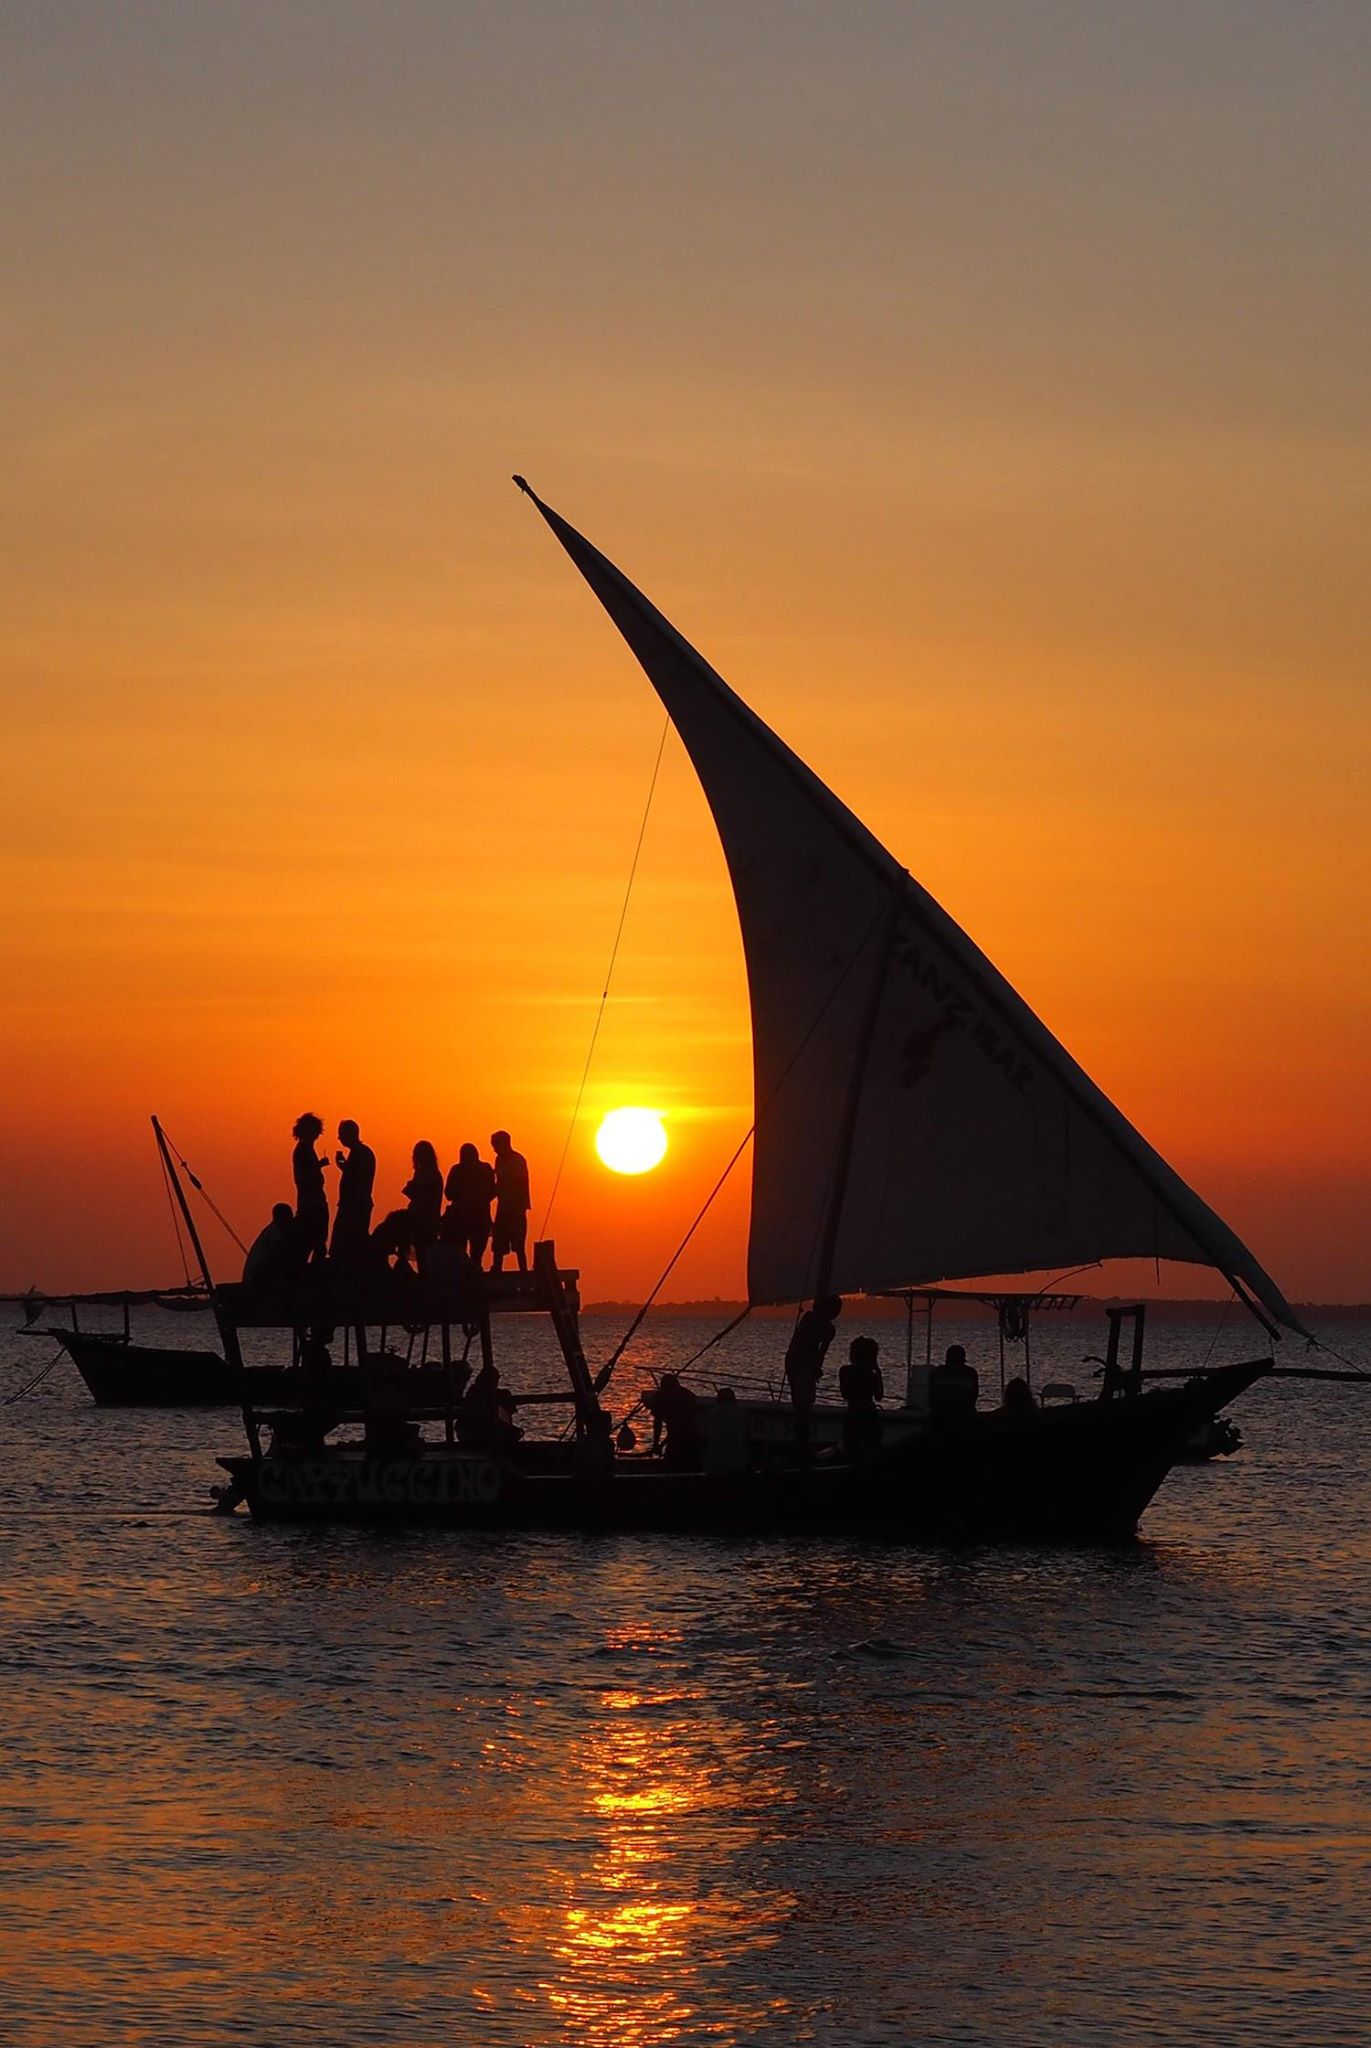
x: 278, y: 1786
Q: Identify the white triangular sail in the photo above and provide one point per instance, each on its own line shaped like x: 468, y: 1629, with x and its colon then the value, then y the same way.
x: 915, y: 1120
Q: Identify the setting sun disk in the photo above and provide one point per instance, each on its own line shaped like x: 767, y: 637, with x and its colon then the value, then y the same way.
x: 631, y: 1140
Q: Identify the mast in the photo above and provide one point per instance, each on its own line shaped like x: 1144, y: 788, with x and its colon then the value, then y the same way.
x: 228, y: 1335
x: 182, y: 1204
x: 847, y: 1132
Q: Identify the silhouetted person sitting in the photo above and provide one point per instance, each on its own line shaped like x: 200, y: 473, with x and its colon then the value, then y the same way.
x: 311, y: 1203
x: 356, y: 1182
x: 953, y: 1387
x: 861, y: 1386
x: 276, y: 1255
x: 415, y: 1227
x: 1018, y: 1398
x: 675, y: 1416
x: 804, y: 1360
x: 478, y: 1414
x: 485, y: 1416
x: 470, y: 1192
x: 512, y: 1203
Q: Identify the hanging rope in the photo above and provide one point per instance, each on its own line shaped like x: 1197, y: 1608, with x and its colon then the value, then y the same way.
x: 205, y: 1197
x: 1052, y: 1285
x: 717, y: 1338
x: 175, y: 1217
x: 609, y: 976
x: 602, y: 1378
x: 37, y: 1379
x: 1218, y: 1331
x: 1320, y: 1344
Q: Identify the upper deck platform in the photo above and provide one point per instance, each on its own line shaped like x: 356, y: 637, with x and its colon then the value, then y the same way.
x: 454, y: 1296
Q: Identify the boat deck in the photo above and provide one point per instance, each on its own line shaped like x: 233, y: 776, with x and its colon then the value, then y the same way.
x: 450, y: 1295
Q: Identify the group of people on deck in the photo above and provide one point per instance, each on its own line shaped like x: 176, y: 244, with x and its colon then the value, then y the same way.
x: 953, y: 1387
x: 480, y: 1205
x: 953, y: 1390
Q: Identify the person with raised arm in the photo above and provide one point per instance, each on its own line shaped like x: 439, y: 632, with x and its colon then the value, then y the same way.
x: 356, y: 1182
x: 804, y: 1360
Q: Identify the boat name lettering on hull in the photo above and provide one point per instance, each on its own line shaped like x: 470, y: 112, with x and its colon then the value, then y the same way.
x: 413, y: 1483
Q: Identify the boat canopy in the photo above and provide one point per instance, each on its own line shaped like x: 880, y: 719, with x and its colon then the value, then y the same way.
x: 915, y: 1121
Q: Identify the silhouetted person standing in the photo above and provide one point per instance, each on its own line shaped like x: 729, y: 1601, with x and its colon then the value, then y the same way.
x: 512, y: 1202
x: 861, y: 1386
x: 470, y: 1192
x: 804, y: 1360
x: 356, y: 1181
x: 311, y: 1203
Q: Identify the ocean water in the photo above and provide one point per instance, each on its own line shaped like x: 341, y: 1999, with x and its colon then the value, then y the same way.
x: 273, y: 1786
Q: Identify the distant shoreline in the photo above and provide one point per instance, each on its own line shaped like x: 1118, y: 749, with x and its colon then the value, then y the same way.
x: 873, y: 1308
x: 881, y: 1309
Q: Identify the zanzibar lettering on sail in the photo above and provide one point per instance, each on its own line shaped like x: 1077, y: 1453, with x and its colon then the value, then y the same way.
x: 960, y: 1013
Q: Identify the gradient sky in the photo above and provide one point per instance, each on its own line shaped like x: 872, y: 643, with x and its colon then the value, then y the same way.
x: 982, y: 388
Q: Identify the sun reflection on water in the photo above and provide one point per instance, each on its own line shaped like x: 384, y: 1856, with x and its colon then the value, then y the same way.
x: 644, y: 1926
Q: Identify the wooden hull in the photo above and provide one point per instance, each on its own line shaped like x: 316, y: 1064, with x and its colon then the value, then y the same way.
x: 1078, y: 1475
x: 121, y: 1375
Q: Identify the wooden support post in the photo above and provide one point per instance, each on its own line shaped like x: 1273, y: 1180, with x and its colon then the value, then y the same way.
x: 566, y: 1329
x: 1135, y: 1376
x: 1109, y: 1385
x: 909, y: 1351
x: 1120, y: 1379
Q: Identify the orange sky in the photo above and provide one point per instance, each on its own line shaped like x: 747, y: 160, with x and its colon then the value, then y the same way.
x: 982, y: 389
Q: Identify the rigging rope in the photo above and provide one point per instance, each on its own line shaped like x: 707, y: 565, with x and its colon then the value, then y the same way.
x: 204, y: 1195
x: 717, y: 1338
x: 175, y: 1218
x: 1218, y: 1331
x: 609, y: 975
x: 602, y: 1378
x: 1052, y: 1285
x: 37, y: 1379
x: 1342, y: 1358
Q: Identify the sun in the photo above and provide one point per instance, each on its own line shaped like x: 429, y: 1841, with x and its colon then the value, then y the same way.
x: 631, y: 1140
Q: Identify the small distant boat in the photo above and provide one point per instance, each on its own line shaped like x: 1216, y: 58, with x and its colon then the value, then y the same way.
x: 915, y: 1124
x: 122, y: 1374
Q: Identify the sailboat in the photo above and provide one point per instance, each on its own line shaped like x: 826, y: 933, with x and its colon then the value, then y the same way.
x: 122, y: 1374
x: 915, y: 1124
